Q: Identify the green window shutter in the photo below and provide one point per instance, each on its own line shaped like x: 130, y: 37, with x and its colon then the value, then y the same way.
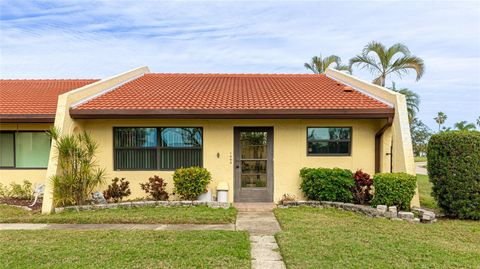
x: 6, y: 150
x: 32, y: 149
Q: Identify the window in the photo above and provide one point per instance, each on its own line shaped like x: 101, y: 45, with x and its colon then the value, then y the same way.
x: 24, y: 149
x: 329, y: 140
x: 157, y: 148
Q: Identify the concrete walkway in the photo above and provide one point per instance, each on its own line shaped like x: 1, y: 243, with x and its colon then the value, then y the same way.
x: 153, y: 227
x: 420, y: 168
x: 261, y: 226
x: 259, y: 221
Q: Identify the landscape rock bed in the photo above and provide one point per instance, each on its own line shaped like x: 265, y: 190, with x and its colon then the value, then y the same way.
x: 144, y: 203
x: 382, y: 211
x: 21, y: 203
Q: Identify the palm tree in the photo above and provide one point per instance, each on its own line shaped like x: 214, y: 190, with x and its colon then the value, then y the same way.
x: 319, y: 65
x: 385, y: 62
x: 440, y: 119
x: 464, y: 126
x: 413, y: 101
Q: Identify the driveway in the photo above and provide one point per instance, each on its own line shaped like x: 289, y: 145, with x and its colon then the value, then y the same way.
x: 420, y: 168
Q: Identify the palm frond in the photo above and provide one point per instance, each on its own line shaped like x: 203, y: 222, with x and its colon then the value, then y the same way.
x: 315, y: 65
x: 380, y: 50
x: 366, y: 62
x: 329, y: 60
x: 397, y: 48
x: 341, y: 67
x: 404, y: 64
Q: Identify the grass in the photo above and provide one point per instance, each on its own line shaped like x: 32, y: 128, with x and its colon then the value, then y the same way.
x: 330, y: 238
x: 124, y: 249
x: 163, y: 215
x: 425, y: 192
x: 420, y: 158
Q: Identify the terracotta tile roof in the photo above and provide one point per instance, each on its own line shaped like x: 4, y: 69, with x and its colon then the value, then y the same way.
x: 230, y: 93
x: 21, y: 99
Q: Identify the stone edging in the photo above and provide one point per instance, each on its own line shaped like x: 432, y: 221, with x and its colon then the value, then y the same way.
x: 143, y: 204
x: 381, y: 211
x: 24, y: 207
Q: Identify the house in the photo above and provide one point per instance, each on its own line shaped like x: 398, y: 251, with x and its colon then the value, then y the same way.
x: 253, y: 131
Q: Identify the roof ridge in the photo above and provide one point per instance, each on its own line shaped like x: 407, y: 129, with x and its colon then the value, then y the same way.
x: 235, y: 74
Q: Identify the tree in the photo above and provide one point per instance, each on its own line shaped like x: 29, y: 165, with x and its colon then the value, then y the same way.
x: 440, y: 119
x: 386, y: 63
x: 478, y: 121
x: 413, y: 101
x: 79, y: 174
x: 420, y: 136
x: 464, y: 126
x: 319, y: 65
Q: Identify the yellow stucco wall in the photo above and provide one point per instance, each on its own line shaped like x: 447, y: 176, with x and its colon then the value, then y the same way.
x: 66, y: 125
x: 36, y: 176
x: 289, y: 149
x: 398, y: 135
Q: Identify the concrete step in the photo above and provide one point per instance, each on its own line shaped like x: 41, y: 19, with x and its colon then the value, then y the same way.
x: 254, y: 207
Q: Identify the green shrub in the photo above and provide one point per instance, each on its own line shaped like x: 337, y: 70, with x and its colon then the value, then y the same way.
x: 394, y: 189
x: 155, y: 187
x: 191, y: 182
x: 454, y: 169
x: 18, y: 191
x: 118, y: 189
x: 325, y: 184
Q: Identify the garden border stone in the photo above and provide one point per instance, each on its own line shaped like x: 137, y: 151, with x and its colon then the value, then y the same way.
x: 144, y: 204
x: 381, y: 211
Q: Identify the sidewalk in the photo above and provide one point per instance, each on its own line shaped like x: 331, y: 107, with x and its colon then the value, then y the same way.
x: 154, y: 227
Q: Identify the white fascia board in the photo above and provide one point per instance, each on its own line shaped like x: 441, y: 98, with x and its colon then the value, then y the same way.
x: 366, y: 92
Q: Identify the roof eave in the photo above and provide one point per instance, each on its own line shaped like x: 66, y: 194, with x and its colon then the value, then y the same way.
x: 377, y: 113
x: 27, y: 118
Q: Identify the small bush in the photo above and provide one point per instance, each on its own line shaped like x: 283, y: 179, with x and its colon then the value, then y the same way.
x: 155, y: 187
x: 324, y: 184
x: 191, y: 182
x: 118, y: 189
x: 17, y: 191
x: 362, y: 190
x: 454, y: 169
x: 394, y: 189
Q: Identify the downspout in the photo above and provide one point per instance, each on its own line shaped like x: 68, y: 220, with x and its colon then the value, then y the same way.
x: 378, y: 139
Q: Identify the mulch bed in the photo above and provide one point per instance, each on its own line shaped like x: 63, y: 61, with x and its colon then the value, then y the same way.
x: 22, y: 202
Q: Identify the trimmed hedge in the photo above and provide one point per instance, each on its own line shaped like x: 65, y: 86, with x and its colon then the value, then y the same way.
x: 394, y: 189
x: 325, y: 184
x: 454, y: 169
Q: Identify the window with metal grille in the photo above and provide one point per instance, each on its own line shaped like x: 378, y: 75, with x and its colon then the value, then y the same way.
x: 159, y: 148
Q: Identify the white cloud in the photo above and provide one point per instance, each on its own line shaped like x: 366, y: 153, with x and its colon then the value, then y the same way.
x: 98, y: 39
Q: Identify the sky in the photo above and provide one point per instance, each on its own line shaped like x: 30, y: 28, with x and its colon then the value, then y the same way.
x: 82, y: 39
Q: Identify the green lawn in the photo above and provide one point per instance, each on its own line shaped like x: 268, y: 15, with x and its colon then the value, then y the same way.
x: 420, y: 158
x: 425, y: 192
x: 164, y: 215
x: 330, y: 238
x: 124, y: 249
